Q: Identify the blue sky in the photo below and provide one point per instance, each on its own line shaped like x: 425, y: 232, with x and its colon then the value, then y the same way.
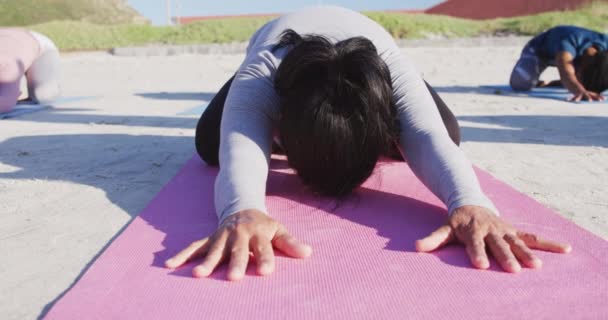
x: 155, y: 10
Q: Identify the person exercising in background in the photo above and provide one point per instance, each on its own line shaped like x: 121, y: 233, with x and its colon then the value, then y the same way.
x: 30, y: 54
x: 580, y: 55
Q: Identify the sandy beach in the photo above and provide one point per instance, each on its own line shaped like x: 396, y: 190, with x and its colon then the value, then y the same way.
x: 73, y: 176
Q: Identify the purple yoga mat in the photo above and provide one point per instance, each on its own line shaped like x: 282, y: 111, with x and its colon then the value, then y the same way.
x: 363, y: 265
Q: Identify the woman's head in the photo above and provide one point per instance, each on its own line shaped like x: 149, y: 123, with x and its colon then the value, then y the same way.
x: 337, y: 115
x: 594, y: 73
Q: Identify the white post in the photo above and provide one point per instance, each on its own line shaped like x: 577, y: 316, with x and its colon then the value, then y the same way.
x: 169, y: 22
x: 178, y: 11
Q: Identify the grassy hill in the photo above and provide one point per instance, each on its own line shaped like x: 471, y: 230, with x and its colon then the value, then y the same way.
x: 29, y: 12
x: 79, y: 35
x: 592, y: 16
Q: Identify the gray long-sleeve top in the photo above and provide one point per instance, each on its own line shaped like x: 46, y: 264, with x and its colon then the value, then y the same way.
x: 252, y: 108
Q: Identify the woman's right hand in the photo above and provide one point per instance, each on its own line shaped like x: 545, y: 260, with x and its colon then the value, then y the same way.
x: 241, y: 233
x: 584, y: 95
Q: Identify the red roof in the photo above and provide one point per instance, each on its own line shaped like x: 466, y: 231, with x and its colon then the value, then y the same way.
x: 489, y: 9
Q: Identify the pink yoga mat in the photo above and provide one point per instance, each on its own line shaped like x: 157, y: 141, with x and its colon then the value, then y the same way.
x: 363, y: 266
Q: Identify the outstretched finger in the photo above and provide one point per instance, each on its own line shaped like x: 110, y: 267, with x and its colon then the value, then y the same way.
x: 476, y: 250
x: 215, y: 255
x: 264, y: 255
x: 435, y: 240
x: 597, y: 97
x: 522, y: 252
x: 503, y: 254
x: 194, y: 250
x: 534, y: 242
x: 290, y: 245
x: 239, y: 258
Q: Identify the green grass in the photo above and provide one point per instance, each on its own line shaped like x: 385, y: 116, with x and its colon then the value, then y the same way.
x: 416, y: 26
x: 72, y: 35
x: 594, y: 16
x: 28, y: 12
x: 216, y: 31
x: 88, y: 36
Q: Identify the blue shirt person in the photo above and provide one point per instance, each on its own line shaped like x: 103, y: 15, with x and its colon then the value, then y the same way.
x: 581, y: 56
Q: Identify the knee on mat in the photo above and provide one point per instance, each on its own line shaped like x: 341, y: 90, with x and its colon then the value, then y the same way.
x: 519, y: 83
x: 518, y: 86
x: 45, y: 93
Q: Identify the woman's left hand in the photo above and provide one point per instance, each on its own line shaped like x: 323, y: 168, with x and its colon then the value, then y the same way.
x: 478, y: 228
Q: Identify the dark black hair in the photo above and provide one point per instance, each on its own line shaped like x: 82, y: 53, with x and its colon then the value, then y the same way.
x: 337, y: 112
x: 595, y: 75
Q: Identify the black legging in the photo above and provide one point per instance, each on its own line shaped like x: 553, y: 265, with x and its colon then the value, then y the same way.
x: 207, y: 137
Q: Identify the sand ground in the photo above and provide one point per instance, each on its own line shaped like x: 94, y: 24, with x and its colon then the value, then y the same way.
x: 72, y: 177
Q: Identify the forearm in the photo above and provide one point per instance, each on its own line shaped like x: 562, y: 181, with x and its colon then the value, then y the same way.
x: 564, y: 62
x: 9, y: 94
x: 568, y: 78
x: 425, y: 142
x: 245, y: 147
x: 7, y: 103
x: 445, y: 170
x: 10, y: 77
x: 241, y: 182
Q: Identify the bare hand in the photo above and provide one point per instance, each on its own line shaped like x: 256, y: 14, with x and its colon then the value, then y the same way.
x: 478, y: 228
x: 585, y: 95
x: 244, y: 232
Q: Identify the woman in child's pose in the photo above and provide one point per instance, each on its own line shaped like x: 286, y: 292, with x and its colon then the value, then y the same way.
x: 334, y: 92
